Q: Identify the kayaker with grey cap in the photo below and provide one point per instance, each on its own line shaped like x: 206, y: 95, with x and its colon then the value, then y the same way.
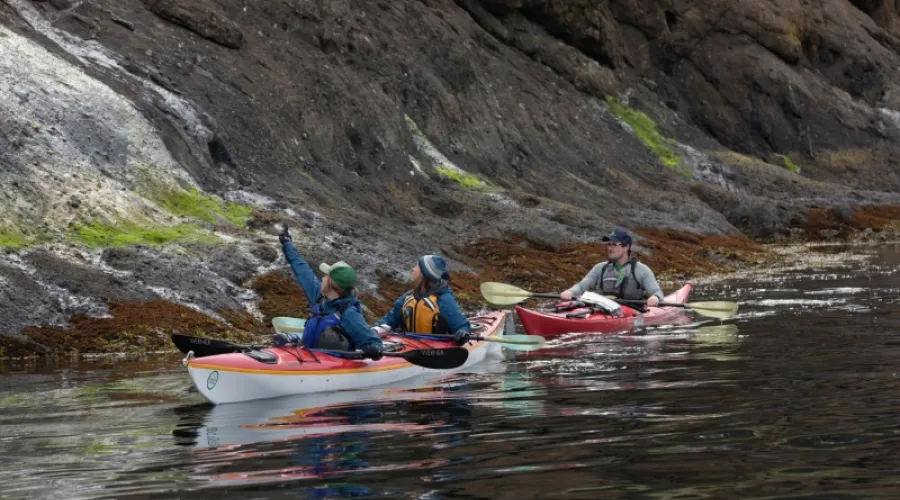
x: 430, y: 307
x: 622, y: 276
x: 336, y: 321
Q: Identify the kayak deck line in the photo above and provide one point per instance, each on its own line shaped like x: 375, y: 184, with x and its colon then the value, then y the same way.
x: 324, y: 372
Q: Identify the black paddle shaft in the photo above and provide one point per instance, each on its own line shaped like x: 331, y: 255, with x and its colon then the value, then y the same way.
x: 437, y: 359
x: 644, y: 302
x: 207, y: 347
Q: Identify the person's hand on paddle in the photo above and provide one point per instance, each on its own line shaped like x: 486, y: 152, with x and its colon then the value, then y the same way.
x: 381, y: 330
x: 567, y: 295
x: 461, y: 337
x: 373, y: 351
x: 285, y: 236
x: 653, y: 301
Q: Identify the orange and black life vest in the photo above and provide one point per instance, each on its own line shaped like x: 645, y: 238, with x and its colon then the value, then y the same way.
x: 423, y: 315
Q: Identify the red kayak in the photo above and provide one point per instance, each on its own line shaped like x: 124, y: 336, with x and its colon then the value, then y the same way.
x: 551, y: 324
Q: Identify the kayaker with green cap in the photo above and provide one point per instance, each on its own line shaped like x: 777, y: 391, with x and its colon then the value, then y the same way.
x: 336, y: 320
x: 621, y: 276
x: 430, y: 307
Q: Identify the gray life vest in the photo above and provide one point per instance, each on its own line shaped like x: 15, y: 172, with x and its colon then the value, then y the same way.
x: 628, y: 289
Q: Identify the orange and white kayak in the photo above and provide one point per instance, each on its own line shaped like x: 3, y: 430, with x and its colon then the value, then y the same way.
x: 283, y: 371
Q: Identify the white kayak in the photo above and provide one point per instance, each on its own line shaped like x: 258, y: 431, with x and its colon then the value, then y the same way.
x: 284, y: 371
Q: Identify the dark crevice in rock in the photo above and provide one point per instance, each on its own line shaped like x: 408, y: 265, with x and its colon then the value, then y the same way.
x: 671, y: 19
x: 218, y: 150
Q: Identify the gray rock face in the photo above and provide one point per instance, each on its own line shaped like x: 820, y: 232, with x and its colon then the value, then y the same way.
x: 24, y: 302
x: 365, y: 124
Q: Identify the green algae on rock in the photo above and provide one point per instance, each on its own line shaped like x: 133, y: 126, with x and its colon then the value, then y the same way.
x: 789, y: 164
x: 647, y: 131
x: 99, y: 235
x: 441, y: 164
x: 10, y: 238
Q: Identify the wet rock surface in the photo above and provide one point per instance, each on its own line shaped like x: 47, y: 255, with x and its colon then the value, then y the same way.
x: 347, y: 120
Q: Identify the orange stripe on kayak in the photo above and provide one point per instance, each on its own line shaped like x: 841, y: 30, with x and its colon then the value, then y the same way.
x: 342, y: 371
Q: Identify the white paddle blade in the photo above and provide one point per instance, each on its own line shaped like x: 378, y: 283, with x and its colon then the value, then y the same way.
x: 284, y: 324
x: 502, y: 294
x: 597, y: 300
x: 518, y: 346
x: 517, y: 339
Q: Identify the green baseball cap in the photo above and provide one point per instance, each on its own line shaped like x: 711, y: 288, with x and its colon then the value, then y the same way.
x: 341, y: 273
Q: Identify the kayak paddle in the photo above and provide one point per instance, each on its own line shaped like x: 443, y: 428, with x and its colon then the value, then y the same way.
x: 719, y: 309
x: 287, y: 324
x: 438, y: 359
x: 502, y: 294
x: 516, y: 342
x: 443, y: 358
x: 511, y: 342
x: 208, y: 347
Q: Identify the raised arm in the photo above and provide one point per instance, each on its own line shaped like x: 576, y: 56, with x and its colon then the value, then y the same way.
x: 304, y: 274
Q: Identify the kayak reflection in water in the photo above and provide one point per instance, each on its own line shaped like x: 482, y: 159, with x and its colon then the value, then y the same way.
x: 335, y: 441
x: 621, y: 276
x: 336, y: 320
x: 334, y: 454
x: 430, y: 307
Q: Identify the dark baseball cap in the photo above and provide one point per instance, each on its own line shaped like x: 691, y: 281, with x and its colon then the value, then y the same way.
x: 619, y: 236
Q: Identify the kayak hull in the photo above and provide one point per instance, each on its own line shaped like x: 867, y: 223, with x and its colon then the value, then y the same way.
x: 552, y: 324
x: 237, y: 377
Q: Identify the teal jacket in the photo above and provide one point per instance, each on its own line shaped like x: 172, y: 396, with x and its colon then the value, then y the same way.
x: 352, y: 321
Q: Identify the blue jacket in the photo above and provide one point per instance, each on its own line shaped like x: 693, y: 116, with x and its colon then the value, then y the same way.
x: 447, y: 304
x: 352, y: 321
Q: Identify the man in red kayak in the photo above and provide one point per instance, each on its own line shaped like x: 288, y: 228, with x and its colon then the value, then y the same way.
x: 622, y: 276
x: 336, y: 321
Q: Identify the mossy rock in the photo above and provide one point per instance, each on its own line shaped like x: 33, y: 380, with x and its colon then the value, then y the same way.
x: 789, y: 164
x: 195, y: 204
x: 99, y: 235
x: 189, y: 202
x: 10, y: 238
x: 466, y: 180
x: 646, y: 130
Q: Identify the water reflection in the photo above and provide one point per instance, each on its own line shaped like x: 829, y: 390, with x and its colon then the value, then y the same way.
x: 338, y: 434
x: 796, y: 397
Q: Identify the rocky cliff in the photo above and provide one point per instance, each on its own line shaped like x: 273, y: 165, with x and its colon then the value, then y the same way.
x: 150, y: 148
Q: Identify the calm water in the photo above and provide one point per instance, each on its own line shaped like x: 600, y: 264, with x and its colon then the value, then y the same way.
x: 797, y: 397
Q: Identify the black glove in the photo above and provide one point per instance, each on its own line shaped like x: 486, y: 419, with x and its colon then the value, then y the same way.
x: 460, y: 337
x: 285, y: 235
x: 282, y: 339
x: 372, y: 351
